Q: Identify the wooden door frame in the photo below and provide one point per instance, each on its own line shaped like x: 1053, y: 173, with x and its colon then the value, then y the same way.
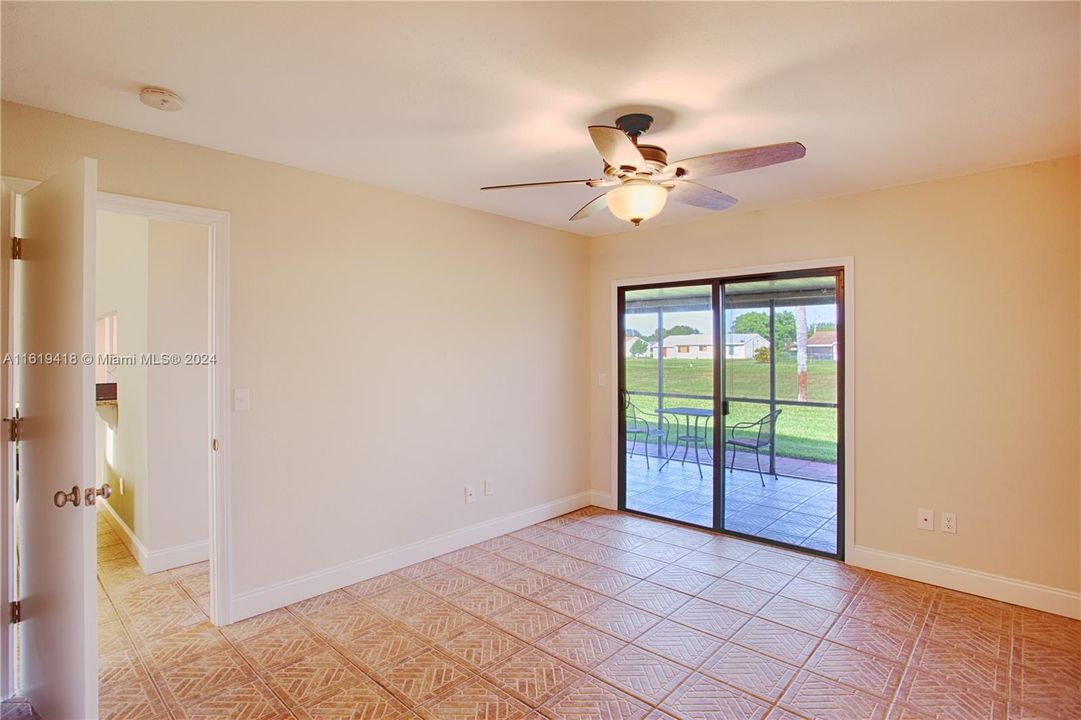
x: 221, y: 564
x: 846, y: 310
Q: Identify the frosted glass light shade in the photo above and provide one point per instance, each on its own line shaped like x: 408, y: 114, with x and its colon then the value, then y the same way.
x: 636, y: 201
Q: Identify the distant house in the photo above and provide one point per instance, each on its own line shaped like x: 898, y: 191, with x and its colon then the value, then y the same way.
x: 737, y: 346
x: 688, y: 347
x: 822, y: 345
x: 742, y: 346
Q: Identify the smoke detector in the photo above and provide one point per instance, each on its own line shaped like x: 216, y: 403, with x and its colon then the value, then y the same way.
x: 161, y: 99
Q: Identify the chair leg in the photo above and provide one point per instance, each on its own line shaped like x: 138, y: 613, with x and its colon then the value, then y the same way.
x: 645, y: 444
x: 670, y: 455
x: 697, y: 460
x: 758, y: 462
x: 708, y: 439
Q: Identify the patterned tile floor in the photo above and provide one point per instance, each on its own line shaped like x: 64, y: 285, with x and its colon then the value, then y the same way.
x: 791, y: 510
x: 594, y: 615
x: 17, y: 708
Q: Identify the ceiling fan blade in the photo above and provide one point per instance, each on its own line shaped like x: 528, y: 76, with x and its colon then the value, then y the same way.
x: 591, y: 183
x: 617, y: 149
x: 733, y: 161
x: 592, y: 207
x: 690, y: 193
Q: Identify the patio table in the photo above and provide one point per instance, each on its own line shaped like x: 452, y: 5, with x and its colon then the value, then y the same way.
x: 701, y: 417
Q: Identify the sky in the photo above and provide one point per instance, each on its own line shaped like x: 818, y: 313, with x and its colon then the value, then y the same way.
x: 646, y: 323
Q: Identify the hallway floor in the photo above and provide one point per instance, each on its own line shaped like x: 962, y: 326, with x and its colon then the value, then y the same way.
x: 595, y: 615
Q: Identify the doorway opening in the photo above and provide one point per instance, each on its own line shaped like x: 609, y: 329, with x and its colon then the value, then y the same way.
x: 731, y: 405
x: 152, y: 436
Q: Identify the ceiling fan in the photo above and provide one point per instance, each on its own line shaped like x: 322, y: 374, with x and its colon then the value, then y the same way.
x: 642, y: 178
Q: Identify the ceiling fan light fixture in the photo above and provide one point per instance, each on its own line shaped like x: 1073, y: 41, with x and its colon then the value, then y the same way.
x: 636, y: 200
x: 645, y: 178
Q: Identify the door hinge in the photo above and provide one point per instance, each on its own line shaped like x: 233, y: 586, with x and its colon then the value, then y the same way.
x: 16, y: 611
x: 14, y: 426
x: 16, y: 248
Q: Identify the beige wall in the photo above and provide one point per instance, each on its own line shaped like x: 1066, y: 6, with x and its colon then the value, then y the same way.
x: 974, y: 267
x: 122, y: 258
x: 349, y: 450
x: 178, y: 398
x: 344, y: 441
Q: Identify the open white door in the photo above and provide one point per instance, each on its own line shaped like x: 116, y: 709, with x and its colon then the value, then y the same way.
x: 54, y: 315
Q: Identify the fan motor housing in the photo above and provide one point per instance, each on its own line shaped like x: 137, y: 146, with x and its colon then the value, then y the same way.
x: 656, y: 159
x: 654, y: 154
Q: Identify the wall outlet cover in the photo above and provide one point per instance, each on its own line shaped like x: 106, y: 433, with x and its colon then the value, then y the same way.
x: 470, y: 494
x: 949, y: 522
x: 925, y: 519
x: 489, y: 487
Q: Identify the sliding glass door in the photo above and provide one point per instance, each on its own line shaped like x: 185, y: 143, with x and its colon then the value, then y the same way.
x: 768, y: 352
x: 667, y: 401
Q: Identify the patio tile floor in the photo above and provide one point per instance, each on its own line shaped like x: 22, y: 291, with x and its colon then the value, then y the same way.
x: 792, y: 510
x: 789, y: 467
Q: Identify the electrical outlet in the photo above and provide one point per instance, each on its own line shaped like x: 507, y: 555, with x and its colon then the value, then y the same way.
x: 925, y: 519
x: 470, y: 494
x: 949, y: 522
x: 602, y: 379
x: 489, y: 487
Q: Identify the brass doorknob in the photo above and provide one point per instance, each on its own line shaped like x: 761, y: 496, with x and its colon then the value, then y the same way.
x: 92, y: 495
x: 61, y: 498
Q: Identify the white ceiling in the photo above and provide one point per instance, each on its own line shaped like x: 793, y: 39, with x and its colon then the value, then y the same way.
x: 438, y: 99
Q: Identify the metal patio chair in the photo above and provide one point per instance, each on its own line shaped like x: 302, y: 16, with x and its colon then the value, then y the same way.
x: 765, y: 430
x: 638, y: 428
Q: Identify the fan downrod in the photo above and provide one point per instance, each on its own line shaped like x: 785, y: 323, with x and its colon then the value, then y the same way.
x: 634, y: 124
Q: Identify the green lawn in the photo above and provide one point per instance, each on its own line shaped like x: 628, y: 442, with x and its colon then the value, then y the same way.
x: 802, y: 432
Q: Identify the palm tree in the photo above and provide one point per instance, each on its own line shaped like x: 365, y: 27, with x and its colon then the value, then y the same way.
x: 801, y: 353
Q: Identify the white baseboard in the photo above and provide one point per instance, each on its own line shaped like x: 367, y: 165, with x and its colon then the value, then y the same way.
x: 154, y: 561
x: 604, y: 500
x: 270, y: 597
x: 177, y: 556
x: 997, y: 587
x: 131, y: 542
